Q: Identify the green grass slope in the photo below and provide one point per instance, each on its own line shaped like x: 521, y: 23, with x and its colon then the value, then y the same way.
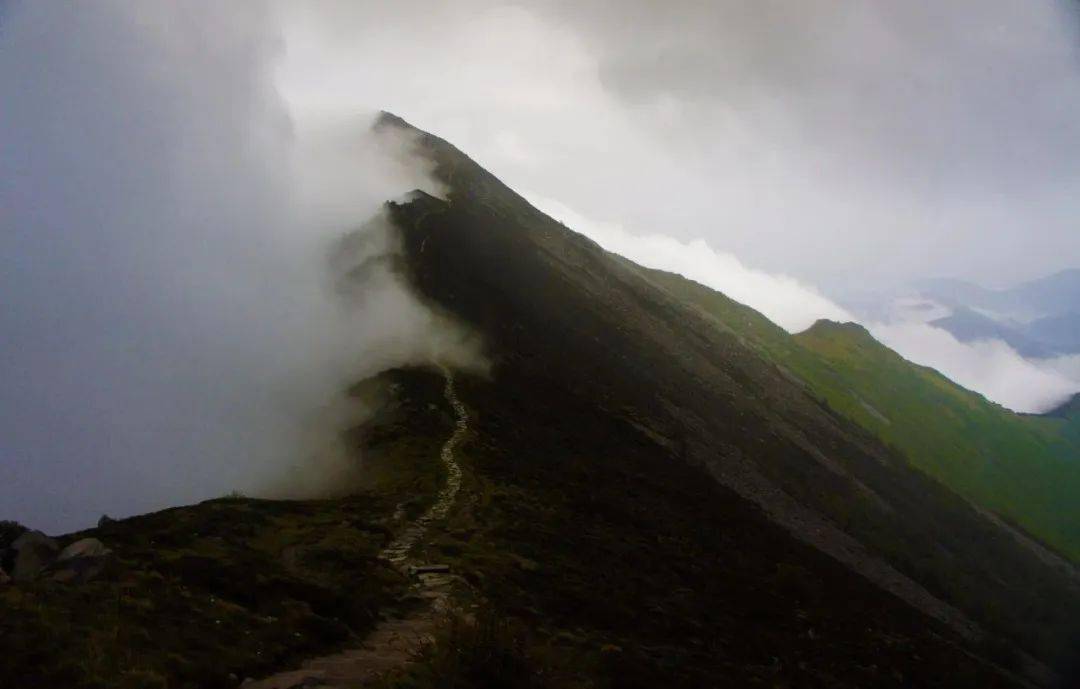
x: 1024, y: 468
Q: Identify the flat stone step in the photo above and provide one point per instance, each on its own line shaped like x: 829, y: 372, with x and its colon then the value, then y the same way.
x: 430, y: 569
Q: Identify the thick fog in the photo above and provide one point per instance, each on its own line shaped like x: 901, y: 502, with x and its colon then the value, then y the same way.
x: 174, y: 176
x: 835, y: 140
x: 171, y: 325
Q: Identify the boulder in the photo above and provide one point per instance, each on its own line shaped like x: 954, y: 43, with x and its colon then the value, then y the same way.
x: 34, y: 551
x: 80, y: 561
x: 86, y: 547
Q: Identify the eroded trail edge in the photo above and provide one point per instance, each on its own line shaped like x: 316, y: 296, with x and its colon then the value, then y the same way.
x: 394, y: 642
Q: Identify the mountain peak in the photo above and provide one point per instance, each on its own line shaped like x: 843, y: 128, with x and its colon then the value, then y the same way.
x: 827, y: 327
x: 389, y: 119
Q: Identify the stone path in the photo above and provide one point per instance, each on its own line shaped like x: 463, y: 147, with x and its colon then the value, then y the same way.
x: 394, y: 642
x: 397, y: 553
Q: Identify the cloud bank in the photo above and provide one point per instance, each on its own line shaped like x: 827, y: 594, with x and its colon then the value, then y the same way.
x: 843, y: 143
x: 171, y: 326
x: 832, y: 143
x: 991, y: 367
x: 782, y: 299
x: 1068, y: 366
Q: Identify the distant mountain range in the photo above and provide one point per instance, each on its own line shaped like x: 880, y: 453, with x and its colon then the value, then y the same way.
x: 1038, y: 319
x: 1057, y: 293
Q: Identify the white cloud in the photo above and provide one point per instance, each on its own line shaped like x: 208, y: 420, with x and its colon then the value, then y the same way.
x: 844, y: 143
x: 991, y: 368
x: 784, y: 300
x: 170, y: 331
x: 1068, y: 366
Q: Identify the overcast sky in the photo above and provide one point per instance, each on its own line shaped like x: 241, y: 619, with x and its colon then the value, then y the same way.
x: 172, y: 175
x: 847, y: 143
x: 795, y: 155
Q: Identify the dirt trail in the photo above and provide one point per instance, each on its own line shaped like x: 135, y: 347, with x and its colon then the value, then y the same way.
x: 393, y: 642
x: 398, y: 551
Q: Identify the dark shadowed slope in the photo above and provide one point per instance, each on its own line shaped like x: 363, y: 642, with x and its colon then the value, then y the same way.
x: 556, y: 309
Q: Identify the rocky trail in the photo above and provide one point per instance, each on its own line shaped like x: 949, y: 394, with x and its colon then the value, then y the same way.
x: 394, y: 642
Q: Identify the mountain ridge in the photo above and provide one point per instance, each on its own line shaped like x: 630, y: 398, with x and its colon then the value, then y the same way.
x: 536, y: 290
x: 647, y: 491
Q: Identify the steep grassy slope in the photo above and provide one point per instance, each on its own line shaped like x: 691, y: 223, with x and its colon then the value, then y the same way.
x: 553, y: 306
x: 1024, y: 468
